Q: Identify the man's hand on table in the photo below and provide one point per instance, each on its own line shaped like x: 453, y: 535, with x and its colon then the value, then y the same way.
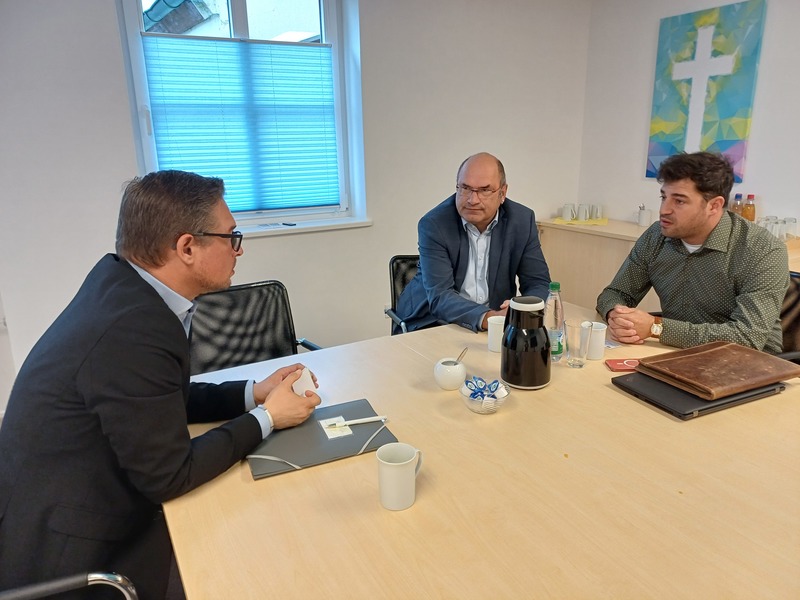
x: 494, y: 313
x: 286, y: 408
x: 629, y: 325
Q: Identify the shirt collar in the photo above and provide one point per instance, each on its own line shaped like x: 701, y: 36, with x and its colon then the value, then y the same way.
x: 717, y: 239
x: 470, y: 227
x: 720, y: 235
x: 176, y: 303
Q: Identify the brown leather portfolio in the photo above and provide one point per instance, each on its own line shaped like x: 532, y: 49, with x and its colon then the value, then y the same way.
x: 718, y: 369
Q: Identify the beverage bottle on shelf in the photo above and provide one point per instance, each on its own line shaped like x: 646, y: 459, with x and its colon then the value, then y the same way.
x: 737, y: 205
x: 554, y: 321
x: 749, y: 208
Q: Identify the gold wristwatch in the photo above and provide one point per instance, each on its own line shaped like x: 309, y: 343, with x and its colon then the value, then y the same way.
x: 656, y: 328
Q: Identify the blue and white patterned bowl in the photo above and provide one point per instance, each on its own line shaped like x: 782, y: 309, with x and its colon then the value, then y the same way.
x: 483, y: 397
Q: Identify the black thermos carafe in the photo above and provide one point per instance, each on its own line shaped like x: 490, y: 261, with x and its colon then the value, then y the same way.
x: 525, y: 355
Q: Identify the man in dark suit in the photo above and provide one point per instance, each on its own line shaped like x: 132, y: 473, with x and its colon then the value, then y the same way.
x: 472, y: 248
x: 95, y: 435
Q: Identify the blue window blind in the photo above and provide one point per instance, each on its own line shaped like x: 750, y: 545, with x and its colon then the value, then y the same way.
x: 259, y: 115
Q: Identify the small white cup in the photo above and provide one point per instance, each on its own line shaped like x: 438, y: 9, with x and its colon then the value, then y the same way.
x: 597, y: 211
x: 645, y: 218
x: 568, y: 212
x: 495, y: 327
x: 597, y: 341
x: 398, y: 466
x: 583, y: 212
x: 449, y: 374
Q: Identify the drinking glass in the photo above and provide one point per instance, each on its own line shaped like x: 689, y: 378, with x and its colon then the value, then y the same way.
x: 578, y: 336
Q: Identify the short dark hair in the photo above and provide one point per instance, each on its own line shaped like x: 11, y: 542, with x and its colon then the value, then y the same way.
x: 160, y: 207
x: 711, y: 173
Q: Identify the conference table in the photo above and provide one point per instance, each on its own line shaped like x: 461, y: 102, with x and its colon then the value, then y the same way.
x: 576, y: 490
x: 793, y: 248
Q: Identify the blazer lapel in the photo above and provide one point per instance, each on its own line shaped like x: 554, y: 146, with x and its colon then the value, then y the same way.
x: 462, y: 258
x: 495, y: 250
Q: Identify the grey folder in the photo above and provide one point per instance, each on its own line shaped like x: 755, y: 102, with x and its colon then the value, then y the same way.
x: 308, y: 444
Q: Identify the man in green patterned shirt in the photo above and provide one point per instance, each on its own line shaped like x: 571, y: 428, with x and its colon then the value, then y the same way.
x: 718, y: 276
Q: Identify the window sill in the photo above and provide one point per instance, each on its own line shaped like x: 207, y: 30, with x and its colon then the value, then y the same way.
x: 289, y: 227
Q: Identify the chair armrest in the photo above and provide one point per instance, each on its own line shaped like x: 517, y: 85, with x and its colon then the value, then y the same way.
x: 308, y: 345
x: 46, y: 589
x: 396, y: 320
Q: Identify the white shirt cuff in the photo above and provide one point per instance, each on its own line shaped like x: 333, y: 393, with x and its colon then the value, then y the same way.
x: 249, y: 395
x: 264, y: 419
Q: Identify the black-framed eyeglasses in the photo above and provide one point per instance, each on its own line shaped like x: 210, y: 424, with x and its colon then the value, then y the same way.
x: 464, y: 191
x: 235, y: 238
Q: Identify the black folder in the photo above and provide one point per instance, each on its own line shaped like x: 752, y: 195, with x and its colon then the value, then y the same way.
x: 681, y: 403
x: 307, y: 444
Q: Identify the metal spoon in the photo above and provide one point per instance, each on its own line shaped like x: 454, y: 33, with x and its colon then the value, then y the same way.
x: 451, y: 363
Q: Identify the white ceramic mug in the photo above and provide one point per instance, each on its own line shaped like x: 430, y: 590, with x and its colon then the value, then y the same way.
x: 644, y: 218
x: 568, y: 212
x: 398, y: 466
x: 583, y: 212
x: 597, y: 211
x: 597, y: 341
x: 496, y: 326
x: 449, y: 374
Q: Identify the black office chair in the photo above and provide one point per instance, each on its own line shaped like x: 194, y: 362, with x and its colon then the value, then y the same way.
x: 241, y: 325
x: 790, y: 320
x: 402, y: 269
x: 71, y: 583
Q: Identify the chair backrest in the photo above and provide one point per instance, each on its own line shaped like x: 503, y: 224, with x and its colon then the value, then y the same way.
x: 241, y: 325
x: 402, y: 269
x: 790, y: 316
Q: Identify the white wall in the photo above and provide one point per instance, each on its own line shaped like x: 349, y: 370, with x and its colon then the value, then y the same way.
x: 619, y: 90
x: 65, y: 149
x: 559, y: 90
x: 440, y: 80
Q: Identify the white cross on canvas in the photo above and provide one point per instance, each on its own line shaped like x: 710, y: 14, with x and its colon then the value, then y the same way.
x: 699, y: 71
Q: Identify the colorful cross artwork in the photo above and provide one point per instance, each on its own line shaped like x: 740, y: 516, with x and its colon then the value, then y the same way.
x: 705, y: 83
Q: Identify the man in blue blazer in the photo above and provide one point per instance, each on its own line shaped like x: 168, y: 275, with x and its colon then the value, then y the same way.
x: 472, y: 249
x: 95, y: 435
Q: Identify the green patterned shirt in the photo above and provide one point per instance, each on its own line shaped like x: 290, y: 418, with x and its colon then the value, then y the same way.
x: 731, y: 289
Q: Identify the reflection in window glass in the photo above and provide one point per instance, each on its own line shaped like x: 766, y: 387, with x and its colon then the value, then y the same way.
x: 278, y: 20
x: 284, y: 20
x: 188, y: 17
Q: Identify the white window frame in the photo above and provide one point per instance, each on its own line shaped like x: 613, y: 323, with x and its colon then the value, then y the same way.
x: 341, y: 30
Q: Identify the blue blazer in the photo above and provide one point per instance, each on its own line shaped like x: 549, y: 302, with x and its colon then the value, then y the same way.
x: 515, y: 253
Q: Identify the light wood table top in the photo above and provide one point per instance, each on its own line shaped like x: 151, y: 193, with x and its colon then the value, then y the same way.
x: 573, y: 491
x: 793, y: 246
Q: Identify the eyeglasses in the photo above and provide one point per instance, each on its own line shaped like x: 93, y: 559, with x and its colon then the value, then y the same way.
x: 235, y: 238
x: 464, y: 191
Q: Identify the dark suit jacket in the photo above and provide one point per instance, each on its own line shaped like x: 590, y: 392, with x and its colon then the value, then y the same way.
x: 514, y: 253
x: 95, y: 436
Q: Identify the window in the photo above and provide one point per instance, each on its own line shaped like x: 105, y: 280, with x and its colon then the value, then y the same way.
x: 251, y: 91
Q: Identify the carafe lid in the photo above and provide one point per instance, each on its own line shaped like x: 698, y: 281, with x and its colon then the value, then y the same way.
x: 527, y: 303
